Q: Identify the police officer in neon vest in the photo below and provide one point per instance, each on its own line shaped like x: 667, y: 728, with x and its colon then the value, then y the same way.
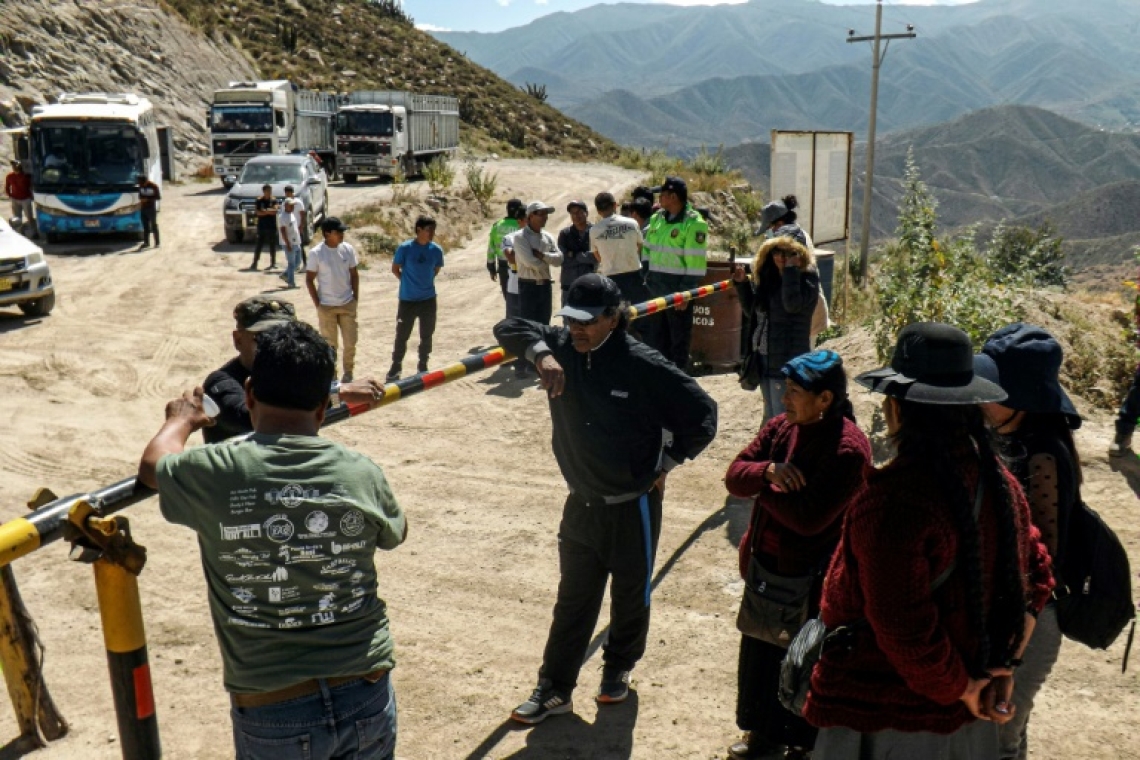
x: 676, y: 248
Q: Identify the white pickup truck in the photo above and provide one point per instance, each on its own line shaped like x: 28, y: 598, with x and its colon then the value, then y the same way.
x: 25, y: 279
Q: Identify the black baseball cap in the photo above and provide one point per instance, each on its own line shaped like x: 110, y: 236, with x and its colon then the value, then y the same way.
x: 333, y: 224
x: 673, y: 185
x: 262, y: 312
x: 589, y: 296
x: 577, y: 204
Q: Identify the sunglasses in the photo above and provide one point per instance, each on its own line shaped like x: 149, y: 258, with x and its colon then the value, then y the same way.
x: 571, y: 322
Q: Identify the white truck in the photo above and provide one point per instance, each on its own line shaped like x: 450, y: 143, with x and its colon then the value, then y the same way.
x: 381, y: 131
x: 249, y: 119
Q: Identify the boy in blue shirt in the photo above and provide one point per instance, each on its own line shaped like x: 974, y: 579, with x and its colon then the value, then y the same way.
x: 416, y: 264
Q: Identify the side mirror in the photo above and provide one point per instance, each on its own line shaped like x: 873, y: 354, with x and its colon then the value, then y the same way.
x: 229, y: 180
x: 279, y: 116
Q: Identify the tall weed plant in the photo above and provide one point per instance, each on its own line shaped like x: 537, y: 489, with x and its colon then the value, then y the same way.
x: 439, y: 174
x: 923, y: 279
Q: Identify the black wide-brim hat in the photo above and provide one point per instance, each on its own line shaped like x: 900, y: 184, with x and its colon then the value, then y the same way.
x: 1025, y: 360
x: 933, y: 363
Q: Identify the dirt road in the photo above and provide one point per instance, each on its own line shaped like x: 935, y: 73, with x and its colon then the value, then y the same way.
x: 470, y: 592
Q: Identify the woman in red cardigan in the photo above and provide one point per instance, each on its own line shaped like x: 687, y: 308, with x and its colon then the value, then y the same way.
x: 801, y: 470
x: 939, y: 588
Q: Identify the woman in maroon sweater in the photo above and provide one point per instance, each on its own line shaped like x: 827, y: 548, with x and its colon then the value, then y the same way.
x: 801, y: 470
x: 938, y: 600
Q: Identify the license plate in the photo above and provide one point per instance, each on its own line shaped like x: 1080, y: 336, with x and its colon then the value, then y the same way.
x: 93, y: 223
x: 6, y: 284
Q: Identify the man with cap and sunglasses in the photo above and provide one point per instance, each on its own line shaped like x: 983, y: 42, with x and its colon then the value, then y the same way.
x: 574, y: 243
x: 611, y: 401
x: 676, y: 247
x: 226, y: 385
x: 534, y: 251
x: 497, y: 264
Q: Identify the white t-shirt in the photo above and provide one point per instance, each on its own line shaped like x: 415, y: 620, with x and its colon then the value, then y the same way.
x: 617, y: 239
x: 334, y: 278
x: 291, y: 221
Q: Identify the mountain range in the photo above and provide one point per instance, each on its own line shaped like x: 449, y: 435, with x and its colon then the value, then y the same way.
x: 1021, y: 164
x: 679, y: 77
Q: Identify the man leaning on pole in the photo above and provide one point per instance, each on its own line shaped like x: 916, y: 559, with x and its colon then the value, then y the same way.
x: 676, y: 246
x: 288, y: 524
x: 611, y: 399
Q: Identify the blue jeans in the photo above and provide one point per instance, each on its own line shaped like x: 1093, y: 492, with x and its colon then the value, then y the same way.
x: 772, y: 389
x: 292, y: 264
x: 353, y: 720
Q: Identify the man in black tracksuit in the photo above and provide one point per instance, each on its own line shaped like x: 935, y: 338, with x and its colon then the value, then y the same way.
x: 610, y: 399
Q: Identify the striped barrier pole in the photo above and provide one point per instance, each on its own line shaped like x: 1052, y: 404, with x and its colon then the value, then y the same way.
x: 45, y: 525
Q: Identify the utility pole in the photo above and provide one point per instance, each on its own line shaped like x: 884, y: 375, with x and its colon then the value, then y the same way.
x: 865, y: 238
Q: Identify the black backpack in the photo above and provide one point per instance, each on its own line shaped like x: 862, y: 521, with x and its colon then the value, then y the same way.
x: 1094, y: 581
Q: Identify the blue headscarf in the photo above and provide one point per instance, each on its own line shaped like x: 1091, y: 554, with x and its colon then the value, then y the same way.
x: 816, y: 371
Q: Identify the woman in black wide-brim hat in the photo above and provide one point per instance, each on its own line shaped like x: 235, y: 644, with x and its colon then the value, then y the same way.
x: 938, y: 573
x: 1036, y: 423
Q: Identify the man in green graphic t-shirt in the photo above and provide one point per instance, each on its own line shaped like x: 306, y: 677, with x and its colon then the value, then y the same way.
x: 288, y: 524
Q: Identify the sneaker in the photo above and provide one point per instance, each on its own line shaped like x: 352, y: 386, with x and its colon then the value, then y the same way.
x: 283, y: 277
x: 544, y: 701
x: 1120, y: 445
x: 393, y: 374
x: 422, y: 368
x: 614, y: 687
x: 346, y: 377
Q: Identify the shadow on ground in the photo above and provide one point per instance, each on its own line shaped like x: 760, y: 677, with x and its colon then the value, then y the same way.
x: 570, y: 737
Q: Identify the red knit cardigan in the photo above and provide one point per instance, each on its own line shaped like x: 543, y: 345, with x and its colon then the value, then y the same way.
x: 832, y: 454
x: 907, y: 670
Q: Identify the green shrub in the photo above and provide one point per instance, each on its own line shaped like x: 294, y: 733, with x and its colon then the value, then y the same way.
x: 922, y: 279
x: 482, y: 185
x: 439, y: 174
x: 1029, y: 256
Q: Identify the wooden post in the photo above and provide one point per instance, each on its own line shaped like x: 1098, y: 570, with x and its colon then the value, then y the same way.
x: 36, y: 715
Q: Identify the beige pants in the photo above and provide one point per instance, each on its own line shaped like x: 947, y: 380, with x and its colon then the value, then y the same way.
x: 332, y: 318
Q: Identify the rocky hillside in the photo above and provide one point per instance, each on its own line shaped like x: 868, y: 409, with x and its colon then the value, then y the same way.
x: 178, y: 52
x: 355, y: 44
x: 48, y: 47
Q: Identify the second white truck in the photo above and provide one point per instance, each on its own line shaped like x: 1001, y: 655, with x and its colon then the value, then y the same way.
x: 380, y: 133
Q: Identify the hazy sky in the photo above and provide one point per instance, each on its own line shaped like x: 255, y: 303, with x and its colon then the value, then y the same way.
x: 495, y: 15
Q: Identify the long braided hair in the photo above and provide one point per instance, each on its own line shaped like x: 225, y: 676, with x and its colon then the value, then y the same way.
x: 939, y: 435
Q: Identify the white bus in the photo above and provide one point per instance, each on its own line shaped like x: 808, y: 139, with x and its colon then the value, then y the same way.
x: 87, y: 152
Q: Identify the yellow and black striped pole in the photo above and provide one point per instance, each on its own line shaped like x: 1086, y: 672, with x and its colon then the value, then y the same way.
x: 106, y: 543
x: 45, y: 525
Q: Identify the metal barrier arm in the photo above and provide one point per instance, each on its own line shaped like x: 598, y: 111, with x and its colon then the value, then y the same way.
x: 44, y: 525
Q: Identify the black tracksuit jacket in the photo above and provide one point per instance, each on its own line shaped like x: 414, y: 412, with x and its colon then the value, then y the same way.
x: 608, y: 423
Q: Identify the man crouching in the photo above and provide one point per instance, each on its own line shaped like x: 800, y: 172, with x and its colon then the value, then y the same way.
x: 288, y: 524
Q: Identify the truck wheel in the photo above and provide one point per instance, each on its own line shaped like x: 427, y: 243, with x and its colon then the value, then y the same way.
x: 235, y: 237
x: 40, y: 307
x: 350, y: 179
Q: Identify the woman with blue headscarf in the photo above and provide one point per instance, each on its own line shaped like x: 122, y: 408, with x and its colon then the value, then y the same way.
x: 801, y: 471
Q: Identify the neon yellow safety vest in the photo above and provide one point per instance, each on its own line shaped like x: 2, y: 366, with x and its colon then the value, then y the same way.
x: 677, y: 248
x: 500, y: 230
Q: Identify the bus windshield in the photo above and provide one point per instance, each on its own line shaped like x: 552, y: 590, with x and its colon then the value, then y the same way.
x: 241, y: 119
x: 364, y: 123
x: 86, y: 155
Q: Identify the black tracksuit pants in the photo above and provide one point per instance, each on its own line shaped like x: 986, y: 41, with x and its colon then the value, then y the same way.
x: 149, y: 215
x: 758, y: 707
x: 596, y: 544
x: 536, y: 301
x: 406, y: 315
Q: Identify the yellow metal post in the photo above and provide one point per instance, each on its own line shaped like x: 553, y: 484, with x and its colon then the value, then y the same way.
x: 117, y: 559
x: 36, y: 714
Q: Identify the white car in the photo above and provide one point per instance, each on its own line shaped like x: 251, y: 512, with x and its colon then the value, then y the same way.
x: 301, y: 172
x: 25, y: 279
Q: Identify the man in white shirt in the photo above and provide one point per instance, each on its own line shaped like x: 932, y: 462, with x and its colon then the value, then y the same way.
x: 616, y: 242
x: 287, y: 226
x: 301, y: 213
x: 535, y: 251
x: 334, y: 286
